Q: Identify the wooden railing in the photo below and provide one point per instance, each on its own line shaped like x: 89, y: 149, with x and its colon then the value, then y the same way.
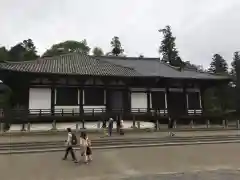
x: 95, y: 111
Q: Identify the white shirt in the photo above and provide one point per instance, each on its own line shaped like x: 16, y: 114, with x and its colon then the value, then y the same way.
x: 121, y: 124
x: 69, y: 139
x: 83, y: 142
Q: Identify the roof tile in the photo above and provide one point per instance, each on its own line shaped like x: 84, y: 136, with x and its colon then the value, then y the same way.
x: 72, y: 64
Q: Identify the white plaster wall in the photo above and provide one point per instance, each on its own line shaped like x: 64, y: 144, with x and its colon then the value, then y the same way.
x: 40, y: 127
x: 66, y: 109
x: 72, y: 125
x: 39, y: 98
x: 96, y: 108
x: 138, y: 100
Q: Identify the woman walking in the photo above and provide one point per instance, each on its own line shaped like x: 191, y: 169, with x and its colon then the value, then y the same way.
x: 85, y: 148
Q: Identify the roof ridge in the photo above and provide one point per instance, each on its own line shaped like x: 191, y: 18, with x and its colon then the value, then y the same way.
x: 101, y: 60
x: 20, y: 62
x: 129, y: 58
x: 169, y: 65
x: 47, y: 58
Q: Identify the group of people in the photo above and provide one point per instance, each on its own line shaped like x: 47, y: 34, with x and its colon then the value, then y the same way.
x: 84, y: 143
x: 119, y: 127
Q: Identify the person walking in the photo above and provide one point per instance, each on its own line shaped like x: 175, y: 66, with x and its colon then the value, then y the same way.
x: 89, y: 149
x: 170, y: 126
x: 85, y: 148
x: 104, y: 127
x: 71, y: 140
x: 110, y: 126
x: 121, y: 128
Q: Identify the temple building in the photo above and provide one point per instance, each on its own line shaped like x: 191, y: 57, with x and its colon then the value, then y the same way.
x: 76, y: 84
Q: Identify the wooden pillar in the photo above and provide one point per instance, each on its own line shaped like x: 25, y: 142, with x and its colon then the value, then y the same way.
x: 127, y: 100
x: 53, y: 99
x: 201, y: 98
x: 80, y: 91
x: 187, y: 99
x: 148, y: 100
x: 107, y: 93
x: 186, y: 95
x: 166, y: 100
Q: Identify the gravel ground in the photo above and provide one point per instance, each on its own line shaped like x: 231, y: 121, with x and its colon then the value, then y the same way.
x: 203, y: 175
x: 200, y: 162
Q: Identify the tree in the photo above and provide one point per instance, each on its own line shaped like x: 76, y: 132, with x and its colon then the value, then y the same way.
x: 168, y: 48
x: 23, y: 51
x: 3, y: 54
x: 16, y: 53
x: 236, y: 57
x: 218, y: 65
x: 30, y: 50
x: 189, y: 65
x: 97, y: 51
x: 117, y: 47
x: 220, y: 93
x: 68, y: 47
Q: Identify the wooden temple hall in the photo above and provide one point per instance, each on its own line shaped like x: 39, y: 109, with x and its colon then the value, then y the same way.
x: 76, y: 84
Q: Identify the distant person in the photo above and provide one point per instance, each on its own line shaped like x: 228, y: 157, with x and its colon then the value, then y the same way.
x: 121, y: 128
x: 89, y: 149
x: 70, y: 142
x: 104, y: 127
x: 110, y: 126
x: 118, y: 125
x: 104, y: 123
x: 170, y: 126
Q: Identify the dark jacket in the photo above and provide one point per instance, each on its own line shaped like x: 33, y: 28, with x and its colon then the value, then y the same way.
x: 110, y: 125
x: 170, y: 123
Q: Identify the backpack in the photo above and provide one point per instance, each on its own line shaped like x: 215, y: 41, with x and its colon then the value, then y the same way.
x: 74, y: 139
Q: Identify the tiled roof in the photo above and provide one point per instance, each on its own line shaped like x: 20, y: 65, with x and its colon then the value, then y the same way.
x: 71, y: 64
x: 81, y: 64
x: 154, y: 67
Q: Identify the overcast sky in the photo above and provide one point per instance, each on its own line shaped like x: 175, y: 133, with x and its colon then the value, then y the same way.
x: 202, y: 27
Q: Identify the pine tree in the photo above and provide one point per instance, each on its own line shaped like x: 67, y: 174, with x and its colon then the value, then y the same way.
x: 236, y: 57
x: 220, y: 93
x: 218, y: 65
x: 117, y: 46
x: 168, y: 48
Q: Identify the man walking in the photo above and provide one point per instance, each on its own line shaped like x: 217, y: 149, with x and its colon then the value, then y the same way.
x: 110, y: 126
x: 71, y: 138
x: 170, y: 126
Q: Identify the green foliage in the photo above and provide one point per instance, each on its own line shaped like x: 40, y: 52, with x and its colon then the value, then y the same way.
x: 236, y: 57
x: 23, y: 51
x: 117, y: 47
x: 221, y: 97
x: 218, y: 65
x: 68, y: 47
x: 189, y: 65
x: 3, y: 54
x: 168, y: 48
x: 97, y: 51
